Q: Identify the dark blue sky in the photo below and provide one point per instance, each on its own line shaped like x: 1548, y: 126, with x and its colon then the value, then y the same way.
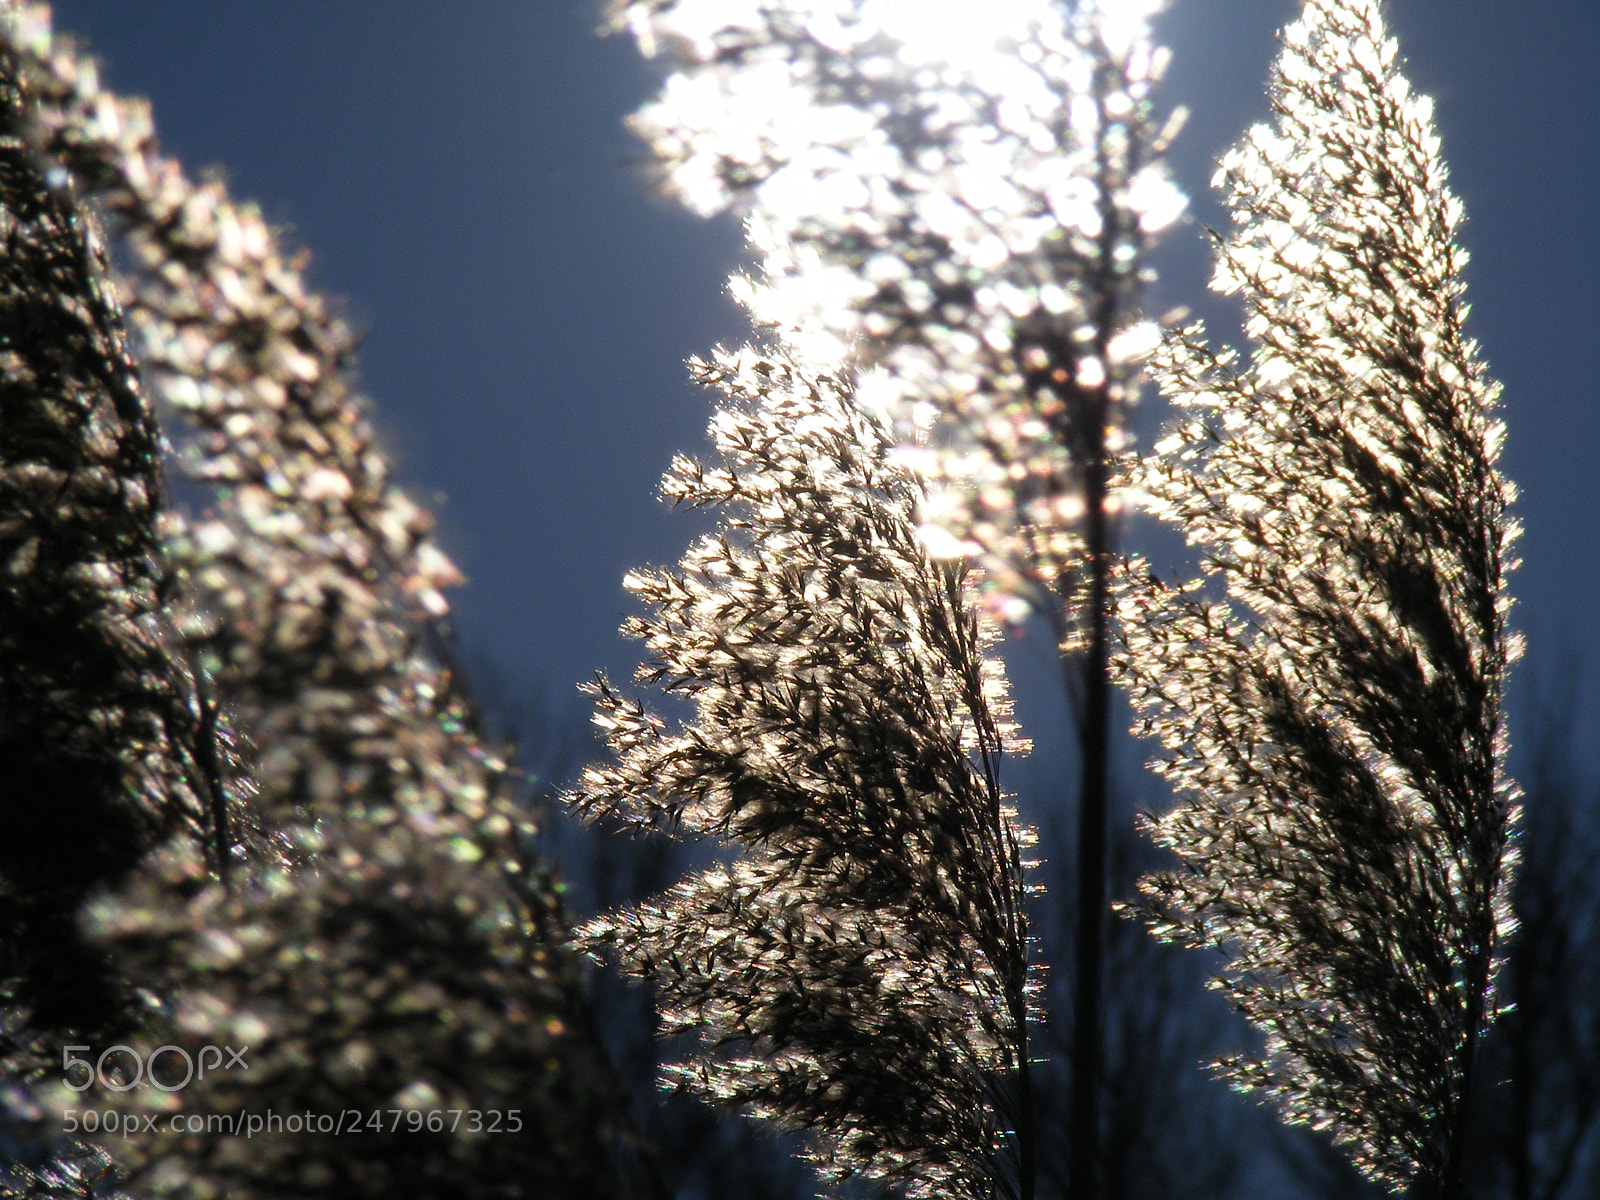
x: 461, y: 175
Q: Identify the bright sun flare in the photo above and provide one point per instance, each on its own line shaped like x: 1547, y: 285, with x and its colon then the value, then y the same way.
x: 953, y: 31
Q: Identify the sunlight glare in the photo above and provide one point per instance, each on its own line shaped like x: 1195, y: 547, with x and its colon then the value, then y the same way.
x: 954, y: 32
x: 1125, y: 23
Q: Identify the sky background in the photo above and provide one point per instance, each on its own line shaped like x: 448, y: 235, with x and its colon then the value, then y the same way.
x: 462, y: 176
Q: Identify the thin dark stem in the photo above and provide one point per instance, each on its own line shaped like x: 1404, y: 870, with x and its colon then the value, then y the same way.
x: 211, y: 778
x: 1521, y: 1083
x: 1027, y: 1138
x: 1093, y: 690
x: 1452, y: 1177
x: 1094, y: 727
